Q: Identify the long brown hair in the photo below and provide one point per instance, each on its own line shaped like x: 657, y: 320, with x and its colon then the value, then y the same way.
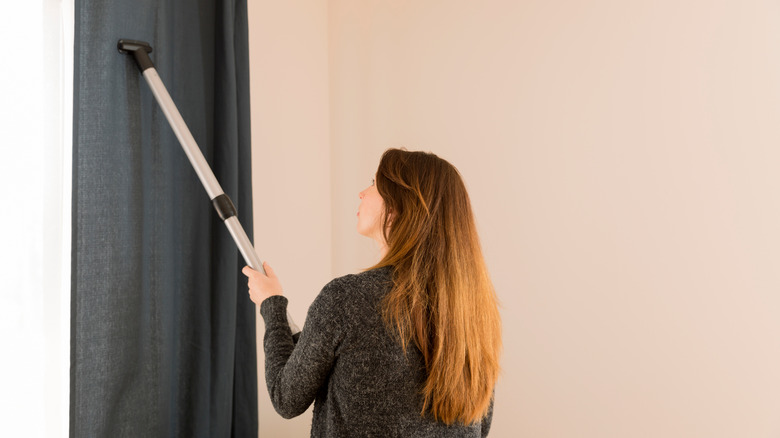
x: 442, y: 298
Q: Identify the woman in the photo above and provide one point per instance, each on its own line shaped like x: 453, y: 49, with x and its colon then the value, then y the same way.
x: 408, y: 348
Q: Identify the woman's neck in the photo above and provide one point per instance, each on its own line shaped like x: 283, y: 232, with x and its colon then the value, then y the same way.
x: 383, y: 249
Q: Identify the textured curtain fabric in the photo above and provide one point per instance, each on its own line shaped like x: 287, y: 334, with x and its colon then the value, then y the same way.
x: 163, y: 332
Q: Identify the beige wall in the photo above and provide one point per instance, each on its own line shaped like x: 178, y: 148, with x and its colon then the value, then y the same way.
x: 288, y: 47
x: 622, y: 161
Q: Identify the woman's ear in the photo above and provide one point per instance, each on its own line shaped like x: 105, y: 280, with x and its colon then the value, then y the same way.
x: 388, y: 220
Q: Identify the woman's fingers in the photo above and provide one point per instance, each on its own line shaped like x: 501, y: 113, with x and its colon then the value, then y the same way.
x: 268, y: 270
x: 262, y: 286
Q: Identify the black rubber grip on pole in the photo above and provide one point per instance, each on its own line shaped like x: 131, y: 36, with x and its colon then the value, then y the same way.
x: 140, y: 51
x: 224, y: 207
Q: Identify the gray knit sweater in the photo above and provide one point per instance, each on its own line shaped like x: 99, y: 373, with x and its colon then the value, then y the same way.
x: 349, y: 365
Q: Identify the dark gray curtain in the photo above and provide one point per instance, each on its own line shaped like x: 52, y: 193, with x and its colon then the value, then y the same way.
x: 163, y: 332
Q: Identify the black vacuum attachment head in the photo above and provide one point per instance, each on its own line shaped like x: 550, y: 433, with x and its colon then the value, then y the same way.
x: 140, y: 51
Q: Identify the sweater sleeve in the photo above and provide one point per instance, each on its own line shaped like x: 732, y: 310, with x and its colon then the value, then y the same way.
x: 486, y: 422
x: 295, y: 371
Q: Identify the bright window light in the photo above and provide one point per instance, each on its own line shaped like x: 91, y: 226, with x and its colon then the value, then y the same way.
x: 35, y: 173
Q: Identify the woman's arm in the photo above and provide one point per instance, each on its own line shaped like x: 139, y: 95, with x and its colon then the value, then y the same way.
x: 264, y: 286
x: 294, y: 372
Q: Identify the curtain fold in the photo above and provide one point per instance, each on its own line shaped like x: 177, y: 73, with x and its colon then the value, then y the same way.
x: 163, y: 337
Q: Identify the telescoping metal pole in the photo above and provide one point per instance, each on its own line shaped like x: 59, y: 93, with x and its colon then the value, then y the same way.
x: 222, y: 203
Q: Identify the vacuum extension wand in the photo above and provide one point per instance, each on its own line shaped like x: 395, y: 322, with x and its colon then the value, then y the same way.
x: 227, y: 211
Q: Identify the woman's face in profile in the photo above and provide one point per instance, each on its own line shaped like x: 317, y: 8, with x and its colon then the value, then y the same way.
x: 370, y: 211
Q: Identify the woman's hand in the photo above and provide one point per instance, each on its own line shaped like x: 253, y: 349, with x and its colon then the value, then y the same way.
x: 262, y: 286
